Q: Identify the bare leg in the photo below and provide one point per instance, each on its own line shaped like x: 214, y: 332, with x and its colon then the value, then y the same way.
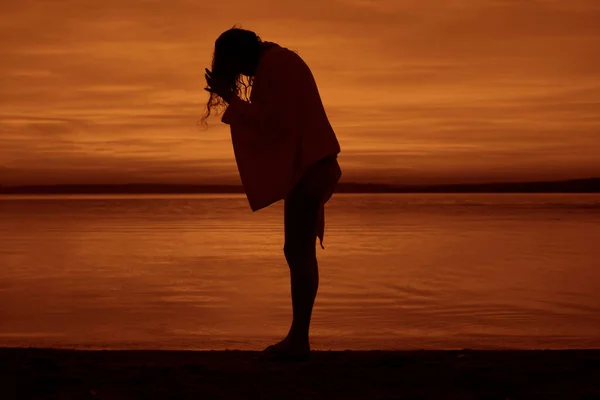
x: 304, y: 274
x: 300, y: 218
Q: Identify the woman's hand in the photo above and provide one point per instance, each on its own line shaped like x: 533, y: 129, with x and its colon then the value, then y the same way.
x: 217, y: 87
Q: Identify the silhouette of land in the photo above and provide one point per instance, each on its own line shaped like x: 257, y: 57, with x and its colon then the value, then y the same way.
x: 69, y: 374
x: 590, y: 185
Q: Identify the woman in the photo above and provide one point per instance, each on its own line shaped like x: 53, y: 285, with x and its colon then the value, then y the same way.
x: 285, y: 148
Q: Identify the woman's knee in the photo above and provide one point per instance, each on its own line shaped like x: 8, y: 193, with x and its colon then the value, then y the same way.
x: 299, y: 252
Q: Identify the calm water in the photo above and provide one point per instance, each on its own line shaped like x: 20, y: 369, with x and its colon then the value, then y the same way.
x: 204, y: 272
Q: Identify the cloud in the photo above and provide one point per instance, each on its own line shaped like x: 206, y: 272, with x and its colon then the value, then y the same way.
x: 415, y: 89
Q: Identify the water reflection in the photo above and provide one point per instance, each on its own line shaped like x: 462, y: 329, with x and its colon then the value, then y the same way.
x: 399, y: 271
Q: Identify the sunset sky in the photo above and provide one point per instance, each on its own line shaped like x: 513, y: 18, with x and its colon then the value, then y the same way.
x: 418, y: 91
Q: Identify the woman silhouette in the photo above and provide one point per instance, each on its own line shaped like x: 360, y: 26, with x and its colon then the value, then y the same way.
x: 285, y: 148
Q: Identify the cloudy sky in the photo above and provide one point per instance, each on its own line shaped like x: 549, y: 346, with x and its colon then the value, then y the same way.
x: 418, y: 91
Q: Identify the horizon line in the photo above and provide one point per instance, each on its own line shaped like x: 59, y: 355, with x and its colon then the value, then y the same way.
x: 580, y: 185
x: 491, y: 182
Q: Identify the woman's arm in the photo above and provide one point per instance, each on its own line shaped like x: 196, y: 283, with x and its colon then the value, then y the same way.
x: 272, y: 109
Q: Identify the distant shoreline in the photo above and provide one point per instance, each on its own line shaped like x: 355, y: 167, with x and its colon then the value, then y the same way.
x: 590, y: 185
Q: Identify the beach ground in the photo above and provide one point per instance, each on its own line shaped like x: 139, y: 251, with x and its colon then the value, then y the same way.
x: 27, y: 373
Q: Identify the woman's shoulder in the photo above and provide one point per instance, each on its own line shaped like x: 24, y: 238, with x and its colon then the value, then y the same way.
x: 277, y: 54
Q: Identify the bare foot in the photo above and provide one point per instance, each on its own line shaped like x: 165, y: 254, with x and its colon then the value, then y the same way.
x: 288, y: 349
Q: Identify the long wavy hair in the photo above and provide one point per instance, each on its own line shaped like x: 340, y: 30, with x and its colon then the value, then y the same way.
x: 239, y: 42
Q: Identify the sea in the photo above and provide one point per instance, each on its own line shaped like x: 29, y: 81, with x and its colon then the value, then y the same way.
x: 204, y: 272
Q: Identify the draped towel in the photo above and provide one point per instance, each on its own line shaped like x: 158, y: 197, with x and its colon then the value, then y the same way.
x: 282, y: 131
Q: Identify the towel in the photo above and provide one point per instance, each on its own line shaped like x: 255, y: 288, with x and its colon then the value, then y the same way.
x: 282, y: 131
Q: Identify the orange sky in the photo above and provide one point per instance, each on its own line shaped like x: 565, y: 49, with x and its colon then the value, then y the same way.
x: 418, y: 91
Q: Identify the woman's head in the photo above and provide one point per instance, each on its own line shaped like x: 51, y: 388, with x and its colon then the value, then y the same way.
x: 236, y: 54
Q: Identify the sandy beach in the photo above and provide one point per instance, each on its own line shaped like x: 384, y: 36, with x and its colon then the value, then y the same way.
x: 75, y: 374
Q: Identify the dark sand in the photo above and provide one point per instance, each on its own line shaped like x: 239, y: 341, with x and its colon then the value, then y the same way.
x: 66, y: 374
